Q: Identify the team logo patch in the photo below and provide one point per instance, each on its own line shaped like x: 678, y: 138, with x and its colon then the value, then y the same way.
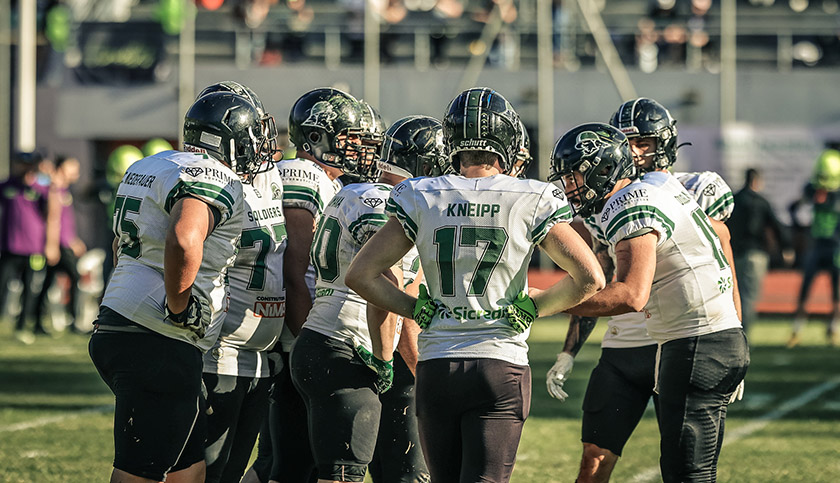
x: 269, y: 310
x: 605, y: 215
x: 373, y: 202
x: 558, y: 193
x: 321, y: 115
x: 589, y: 143
x: 194, y: 171
x: 710, y: 190
x: 276, y: 192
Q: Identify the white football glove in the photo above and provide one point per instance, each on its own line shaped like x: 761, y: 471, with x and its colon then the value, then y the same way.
x: 558, y: 375
x: 738, y: 394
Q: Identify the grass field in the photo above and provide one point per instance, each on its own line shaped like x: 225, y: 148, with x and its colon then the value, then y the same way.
x: 56, y: 414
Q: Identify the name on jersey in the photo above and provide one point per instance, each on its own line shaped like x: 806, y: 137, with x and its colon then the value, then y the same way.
x: 137, y: 179
x: 468, y: 313
x: 298, y: 173
x: 472, y: 209
x: 270, y: 307
x: 265, y: 213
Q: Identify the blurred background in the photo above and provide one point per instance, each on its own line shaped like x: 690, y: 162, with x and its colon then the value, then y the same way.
x: 752, y: 83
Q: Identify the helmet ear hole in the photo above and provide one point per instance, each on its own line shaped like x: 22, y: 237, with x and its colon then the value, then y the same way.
x: 314, y: 137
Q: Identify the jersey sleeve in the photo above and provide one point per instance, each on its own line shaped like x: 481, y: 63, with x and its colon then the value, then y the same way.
x: 553, y: 208
x: 632, y: 219
x: 410, y: 266
x: 370, y: 218
x: 714, y: 196
x: 221, y: 191
x: 401, y: 205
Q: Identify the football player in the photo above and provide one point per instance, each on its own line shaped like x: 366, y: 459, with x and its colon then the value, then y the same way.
x: 332, y: 359
x: 622, y: 383
x: 671, y: 268
x: 177, y: 220
x: 475, y: 233
x: 236, y: 368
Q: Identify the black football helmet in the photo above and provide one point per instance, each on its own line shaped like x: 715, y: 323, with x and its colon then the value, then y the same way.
x: 481, y: 119
x: 228, y: 127
x: 372, y: 135
x: 320, y: 123
x: 601, y: 154
x: 269, y: 125
x: 646, y: 118
x: 413, y: 147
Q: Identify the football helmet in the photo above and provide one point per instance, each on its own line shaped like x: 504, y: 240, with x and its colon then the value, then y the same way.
x: 269, y: 124
x: 523, y: 157
x: 596, y: 155
x: 646, y: 118
x: 481, y: 119
x: 413, y: 147
x: 229, y: 127
x: 327, y: 124
x: 372, y: 132
x: 827, y: 171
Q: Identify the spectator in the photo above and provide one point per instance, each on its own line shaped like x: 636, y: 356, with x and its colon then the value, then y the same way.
x: 71, y: 247
x: 26, y: 243
x: 823, y: 193
x: 752, y: 218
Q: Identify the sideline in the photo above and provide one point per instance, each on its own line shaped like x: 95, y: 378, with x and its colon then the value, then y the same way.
x: 35, y: 423
x: 757, y: 424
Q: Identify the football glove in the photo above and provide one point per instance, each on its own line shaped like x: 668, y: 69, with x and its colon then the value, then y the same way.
x: 522, y: 312
x: 191, y: 318
x: 384, y: 369
x: 738, y: 394
x: 424, y: 308
x: 558, y: 375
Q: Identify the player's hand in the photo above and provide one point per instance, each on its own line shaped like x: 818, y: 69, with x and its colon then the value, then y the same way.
x: 384, y: 369
x: 522, y: 312
x: 738, y: 394
x: 424, y: 308
x: 558, y: 375
x: 191, y: 318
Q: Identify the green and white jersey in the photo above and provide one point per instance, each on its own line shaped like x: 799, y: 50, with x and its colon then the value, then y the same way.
x: 715, y: 198
x: 257, y: 295
x: 475, y: 237
x: 692, y: 285
x: 307, y: 186
x: 147, y: 193
x: 710, y: 191
x: 350, y: 219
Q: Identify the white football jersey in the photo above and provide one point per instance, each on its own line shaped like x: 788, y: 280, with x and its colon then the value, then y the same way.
x: 715, y: 198
x: 144, y: 198
x: 307, y: 186
x: 257, y: 294
x: 350, y: 219
x: 710, y: 191
x: 692, y: 288
x: 475, y: 237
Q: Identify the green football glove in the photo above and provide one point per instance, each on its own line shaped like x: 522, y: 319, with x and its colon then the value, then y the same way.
x: 384, y: 369
x: 424, y: 308
x: 522, y: 312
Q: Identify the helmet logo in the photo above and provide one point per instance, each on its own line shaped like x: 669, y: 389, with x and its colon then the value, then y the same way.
x: 321, y: 116
x: 589, y: 143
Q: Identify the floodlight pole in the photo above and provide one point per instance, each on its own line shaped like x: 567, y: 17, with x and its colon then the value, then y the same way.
x: 545, y: 95
x: 186, y: 67
x: 371, y: 81
x: 26, y: 74
x: 5, y: 86
x: 728, y: 32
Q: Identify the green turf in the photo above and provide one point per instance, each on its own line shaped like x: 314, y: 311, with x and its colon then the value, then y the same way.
x: 56, y: 416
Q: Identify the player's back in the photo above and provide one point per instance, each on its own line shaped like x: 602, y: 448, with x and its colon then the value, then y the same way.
x: 148, y: 191
x: 475, y: 237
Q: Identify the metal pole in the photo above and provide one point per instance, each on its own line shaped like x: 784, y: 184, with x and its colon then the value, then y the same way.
x: 545, y: 95
x: 607, y: 48
x: 186, y: 66
x: 371, y: 87
x: 26, y: 75
x: 728, y: 113
x: 5, y: 86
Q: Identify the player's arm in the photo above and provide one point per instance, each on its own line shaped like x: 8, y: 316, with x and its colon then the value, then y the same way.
x: 722, y: 232
x: 191, y: 222
x: 383, y: 324
x: 580, y: 327
x: 571, y: 253
x: 382, y: 251
x: 410, y: 330
x: 300, y: 228
x: 635, y: 266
